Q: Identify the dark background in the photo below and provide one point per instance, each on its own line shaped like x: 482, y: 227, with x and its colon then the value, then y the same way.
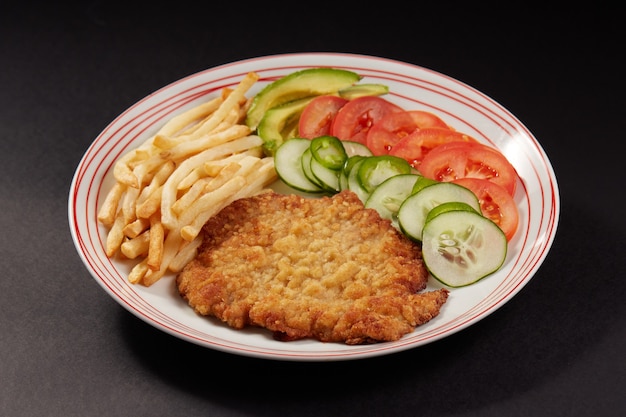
x: 68, y: 349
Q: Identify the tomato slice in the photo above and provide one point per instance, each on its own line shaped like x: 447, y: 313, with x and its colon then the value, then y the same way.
x: 356, y: 117
x: 455, y: 160
x: 383, y: 135
x: 425, y: 119
x: 495, y: 202
x: 318, y: 115
x: 418, y: 144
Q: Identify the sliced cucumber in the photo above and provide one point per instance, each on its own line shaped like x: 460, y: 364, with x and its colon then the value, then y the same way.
x: 461, y: 247
x: 327, y: 178
x: 387, y: 198
x: 289, y: 168
x: 413, y: 212
x: 305, y: 161
x: 356, y: 148
x: 345, y: 171
x: 451, y: 206
x: 423, y: 182
x: 376, y: 169
x: 329, y: 152
x: 354, y: 184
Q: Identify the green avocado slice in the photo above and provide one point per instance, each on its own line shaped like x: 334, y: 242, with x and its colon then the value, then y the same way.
x: 300, y: 84
x: 280, y: 123
x: 360, y: 90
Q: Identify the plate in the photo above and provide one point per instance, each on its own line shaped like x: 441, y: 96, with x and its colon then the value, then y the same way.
x: 412, y: 87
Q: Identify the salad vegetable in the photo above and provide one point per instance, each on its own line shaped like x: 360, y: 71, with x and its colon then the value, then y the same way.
x: 300, y: 84
x: 460, y: 246
x: 438, y: 186
x: 415, y: 208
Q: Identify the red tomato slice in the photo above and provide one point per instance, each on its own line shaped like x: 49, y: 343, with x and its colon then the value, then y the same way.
x: 455, y: 160
x: 318, y: 115
x: 425, y: 119
x: 418, y: 144
x: 356, y: 117
x: 495, y: 202
x: 383, y: 135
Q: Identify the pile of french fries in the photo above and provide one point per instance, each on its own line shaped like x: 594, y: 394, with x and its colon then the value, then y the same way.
x: 167, y: 188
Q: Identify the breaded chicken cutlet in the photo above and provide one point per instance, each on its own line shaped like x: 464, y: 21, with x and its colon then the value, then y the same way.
x: 324, y: 268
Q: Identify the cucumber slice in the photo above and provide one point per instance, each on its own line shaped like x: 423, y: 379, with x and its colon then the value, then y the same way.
x: 423, y: 182
x: 461, y: 247
x: 354, y: 184
x: 327, y: 178
x: 288, y: 165
x: 305, y: 161
x: 356, y: 148
x: 376, y: 169
x: 329, y: 152
x: 451, y: 206
x: 387, y: 198
x: 345, y: 171
x: 413, y: 212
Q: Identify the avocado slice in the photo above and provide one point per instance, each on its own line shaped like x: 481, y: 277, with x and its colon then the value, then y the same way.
x: 280, y: 123
x: 361, y: 90
x: 300, y: 84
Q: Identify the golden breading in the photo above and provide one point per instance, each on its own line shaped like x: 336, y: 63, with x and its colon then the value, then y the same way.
x: 323, y: 268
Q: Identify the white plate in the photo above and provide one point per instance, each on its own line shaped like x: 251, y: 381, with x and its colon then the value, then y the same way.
x: 412, y: 87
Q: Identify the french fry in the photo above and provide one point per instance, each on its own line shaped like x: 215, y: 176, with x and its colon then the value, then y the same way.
x: 157, y: 180
x: 197, y: 189
x: 138, y: 246
x: 184, y: 120
x: 134, y: 229
x: 221, y: 172
x: 124, y: 169
x: 147, y: 169
x: 155, y: 248
x: 191, y: 134
x: 123, y: 172
x: 213, y: 168
x: 186, y: 253
x: 206, y: 206
x: 128, y: 204
x: 247, y: 181
x: 259, y: 179
x: 169, y: 186
x: 168, y: 142
x: 195, y: 175
x: 151, y: 205
x: 232, y: 118
x: 171, y: 245
x: 149, y: 199
x: 138, y: 272
x: 203, y: 211
x: 232, y: 101
x: 227, y: 172
x: 115, y: 237
x: 207, y: 141
x: 108, y: 210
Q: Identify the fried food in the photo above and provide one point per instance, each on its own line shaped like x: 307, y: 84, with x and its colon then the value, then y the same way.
x: 324, y: 268
x: 165, y: 189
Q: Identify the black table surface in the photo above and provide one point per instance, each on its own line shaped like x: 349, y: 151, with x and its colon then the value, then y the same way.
x: 68, y: 349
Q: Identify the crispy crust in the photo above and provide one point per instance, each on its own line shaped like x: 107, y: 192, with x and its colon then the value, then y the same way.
x: 324, y: 268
